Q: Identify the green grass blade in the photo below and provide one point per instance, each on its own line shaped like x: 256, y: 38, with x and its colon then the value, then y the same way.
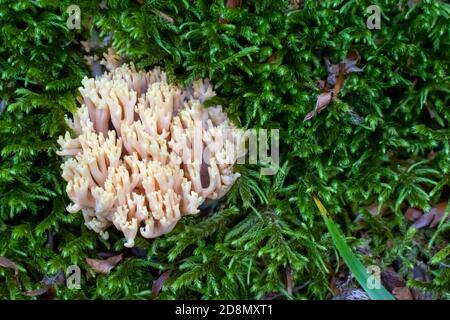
x: 353, y: 263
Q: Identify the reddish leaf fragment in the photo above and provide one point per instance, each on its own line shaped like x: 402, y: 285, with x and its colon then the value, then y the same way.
x: 438, y: 213
x: 339, y: 80
x: 323, y: 100
x: 37, y: 292
x: 345, y: 67
x: 413, y: 214
x: 309, y: 116
x: 272, y: 58
x: 104, y: 266
x: 433, y: 217
x: 352, y: 294
x: 56, y: 279
x: 9, y: 264
x: 391, y: 279
x: 402, y: 293
x: 351, y: 61
x: 332, y: 68
x: 159, y: 283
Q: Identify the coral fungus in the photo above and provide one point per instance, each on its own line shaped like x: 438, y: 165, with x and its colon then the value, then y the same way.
x: 145, y: 153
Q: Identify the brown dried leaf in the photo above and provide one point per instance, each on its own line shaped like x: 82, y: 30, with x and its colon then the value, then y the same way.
x: 164, y: 16
x: 37, y: 292
x: 391, y: 279
x: 413, y: 214
x: 424, y: 221
x: 433, y: 217
x: 104, y: 266
x: 159, y: 283
x: 289, y: 280
x: 47, y: 285
x: 322, y: 84
x: 233, y: 3
x: 297, y: 4
x: 56, y: 279
x: 335, y: 79
x: 9, y: 264
x: 373, y: 209
x: 348, y: 65
x: 323, y: 100
x: 402, y: 293
x: 351, y: 61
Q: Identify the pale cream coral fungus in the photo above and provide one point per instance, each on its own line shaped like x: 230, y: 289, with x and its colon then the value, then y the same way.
x: 146, y: 152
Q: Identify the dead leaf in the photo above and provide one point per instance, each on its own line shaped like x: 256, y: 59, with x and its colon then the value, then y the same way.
x: 339, y: 80
x: 373, y: 209
x: 433, y: 217
x: 348, y: 65
x: 322, y: 84
x: 355, y: 117
x: 233, y: 3
x: 47, y: 284
x: 352, y: 294
x: 391, y: 279
x: 424, y: 221
x: 37, y: 292
x: 9, y: 264
x: 335, y: 81
x: 297, y: 4
x: 420, y: 274
x: 273, y: 295
x: 159, y: 283
x: 163, y: 16
x: 413, y: 214
x: 438, y: 213
x: 139, y: 252
x: 323, y: 100
x: 104, y: 266
x: 289, y: 280
x: 402, y: 293
x: 351, y: 61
